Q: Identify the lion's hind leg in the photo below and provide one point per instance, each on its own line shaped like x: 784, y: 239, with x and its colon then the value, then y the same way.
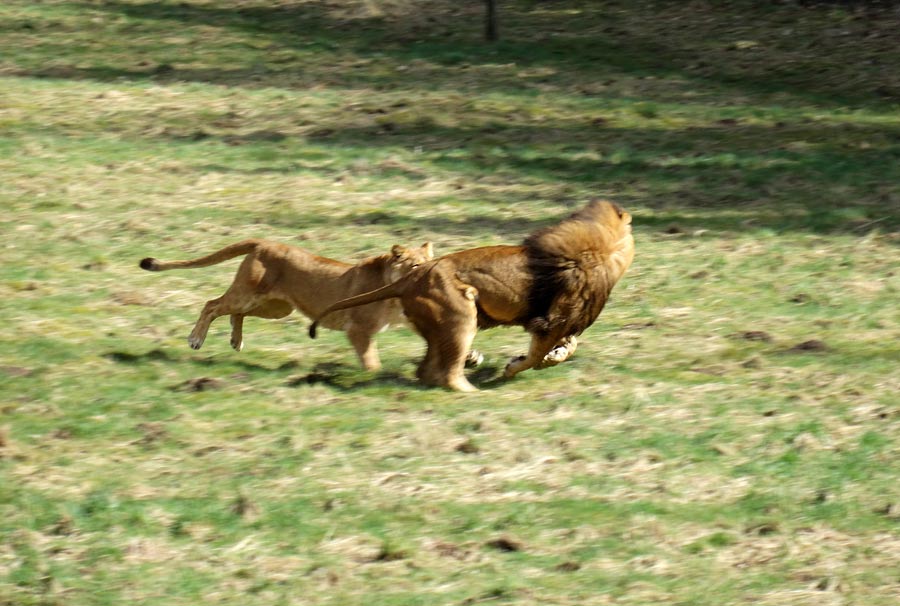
x: 445, y: 360
x: 474, y: 358
x: 445, y: 357
x: 540, y: 348
x: 561, y: 352
x: 464, y: 325
x: 448, y: 326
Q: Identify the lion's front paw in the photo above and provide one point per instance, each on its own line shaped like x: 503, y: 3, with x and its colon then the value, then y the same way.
x: 556, y: 355
x: 195, y: 342
x: 560, y: 353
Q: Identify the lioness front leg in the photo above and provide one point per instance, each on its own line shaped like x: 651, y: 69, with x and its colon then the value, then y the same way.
x: 237, y: 331
x: 210, y: 312
x: 235, y: 303
x: 262, y: 308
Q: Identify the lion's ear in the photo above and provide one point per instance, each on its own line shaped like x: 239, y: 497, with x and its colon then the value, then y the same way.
x: 397, y: 250
x: 429, y: 250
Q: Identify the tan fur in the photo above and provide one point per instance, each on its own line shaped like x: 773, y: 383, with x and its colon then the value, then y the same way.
x: 555, y: 285
x: 274, y: 279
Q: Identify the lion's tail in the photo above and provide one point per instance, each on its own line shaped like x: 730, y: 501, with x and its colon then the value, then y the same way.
x: 391, y: 291
x: 229, y: 252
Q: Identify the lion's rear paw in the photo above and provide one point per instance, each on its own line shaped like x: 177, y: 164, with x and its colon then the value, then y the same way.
x: 513, y: 367
x: 474, y: 358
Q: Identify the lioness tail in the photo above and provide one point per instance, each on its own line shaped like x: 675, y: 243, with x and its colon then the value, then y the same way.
x: 229, y: 252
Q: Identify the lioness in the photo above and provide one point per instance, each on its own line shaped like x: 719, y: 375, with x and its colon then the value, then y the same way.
x: 274, y: 279
x: 554, y: 285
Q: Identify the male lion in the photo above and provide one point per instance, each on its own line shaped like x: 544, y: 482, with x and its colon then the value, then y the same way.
x: 274, y: 279
x: 554, y: 285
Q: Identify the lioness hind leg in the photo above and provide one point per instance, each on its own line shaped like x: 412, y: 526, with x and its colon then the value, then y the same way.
x: 210, y: 312
x: 233, y: 302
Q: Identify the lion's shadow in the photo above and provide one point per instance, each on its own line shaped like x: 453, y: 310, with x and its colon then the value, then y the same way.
x: 346, y: 378
x: 337, y: 375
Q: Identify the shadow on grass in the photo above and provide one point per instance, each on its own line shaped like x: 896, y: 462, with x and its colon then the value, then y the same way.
x: 724, y: 179
x: 593, y: 42
x: 719, y: 177
x: 336, y: 375
x: 159, y: 355
x: 807, y: 177
x: 347, y: 379
x: 487, y: 376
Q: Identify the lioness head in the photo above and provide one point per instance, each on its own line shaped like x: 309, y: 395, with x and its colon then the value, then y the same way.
x: 403, y: 260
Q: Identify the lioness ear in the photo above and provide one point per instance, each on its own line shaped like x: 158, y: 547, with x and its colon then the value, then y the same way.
x: 429, y: 250
x: 397, y: 250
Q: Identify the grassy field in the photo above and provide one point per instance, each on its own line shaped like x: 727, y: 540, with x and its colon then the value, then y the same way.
x: 727, y: 432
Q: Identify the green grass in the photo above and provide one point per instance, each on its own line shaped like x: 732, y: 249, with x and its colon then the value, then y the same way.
x: 696, y: 450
